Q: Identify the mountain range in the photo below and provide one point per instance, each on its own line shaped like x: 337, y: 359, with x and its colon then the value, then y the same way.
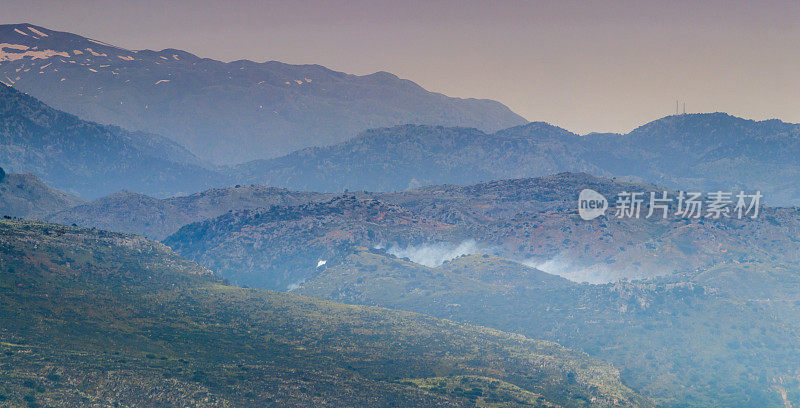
x: 274, y: 238
x: 698, y: 280
x: 224, y: 112
x: 704, y: 152
x: 533, y: 221
x: 336, y: 240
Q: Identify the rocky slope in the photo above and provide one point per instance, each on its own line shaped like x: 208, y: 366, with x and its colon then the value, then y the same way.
x: 534, y: 221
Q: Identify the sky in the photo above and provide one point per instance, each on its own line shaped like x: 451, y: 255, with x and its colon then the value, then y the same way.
x: 605, y: 66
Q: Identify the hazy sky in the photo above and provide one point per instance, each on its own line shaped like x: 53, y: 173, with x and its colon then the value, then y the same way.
x: 585, y: 66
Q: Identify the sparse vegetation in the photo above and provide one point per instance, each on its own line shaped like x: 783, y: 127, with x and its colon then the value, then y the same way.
x: 89, y: 317
x: 678, y: 341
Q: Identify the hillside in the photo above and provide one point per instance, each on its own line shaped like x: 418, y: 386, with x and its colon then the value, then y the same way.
x: 281, y: 246
x: 698, y: 152
x: 88, y: 159
x: 98, y: 318
x: 155, y: 218
x: 682, y: 343
x: 373, y: 276
x: 708, y: 152
x: 25, y: 196
x: 527, y: 220
x: 224, y: 112
x: 411, y: 156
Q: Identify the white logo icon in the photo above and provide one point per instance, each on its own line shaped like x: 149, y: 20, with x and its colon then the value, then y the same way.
x: 591, y: 204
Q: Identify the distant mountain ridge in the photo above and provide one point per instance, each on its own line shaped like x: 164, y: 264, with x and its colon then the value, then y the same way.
x: 411, y: 156
x: 25, y: 196
x: 89, y: 159
x: 224, y: 112
x: 707, y: 152
x: 704, y: 152
x: 154, y: 218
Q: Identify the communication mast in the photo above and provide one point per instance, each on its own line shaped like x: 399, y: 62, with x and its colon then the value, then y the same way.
x: 678, y: 106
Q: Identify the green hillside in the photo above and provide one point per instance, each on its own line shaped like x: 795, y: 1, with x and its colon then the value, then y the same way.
x: 93, y: 318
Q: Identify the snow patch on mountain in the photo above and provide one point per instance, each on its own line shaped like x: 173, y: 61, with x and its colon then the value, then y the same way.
x: 19, y: 51
x: 96, y: 54
x: 37, y: 32
x: 102, y: 43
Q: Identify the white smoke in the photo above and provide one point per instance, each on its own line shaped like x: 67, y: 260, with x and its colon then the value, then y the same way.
x: 433, y: 255
x: 566, y: 268
x: 294, y: 286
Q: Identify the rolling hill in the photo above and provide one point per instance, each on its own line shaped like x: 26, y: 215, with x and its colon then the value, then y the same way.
x: 25, y: 196
x: 89, y: 317
x: 533, y: 221
x: 154, y: 218
x: 678, y: 341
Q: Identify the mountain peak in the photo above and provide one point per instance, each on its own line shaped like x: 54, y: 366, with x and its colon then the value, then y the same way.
x: 26, y: 30
x: 701, y: 123
x: 693, y: 118
x: 30, y: 43
x: 536, y: 129
x: 271, y: 108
